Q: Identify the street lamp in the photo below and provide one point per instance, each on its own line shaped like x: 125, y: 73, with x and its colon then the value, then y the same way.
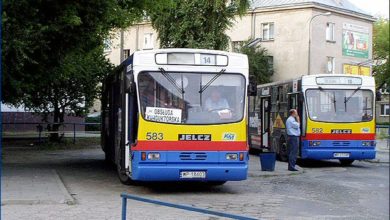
x: 311, y: 19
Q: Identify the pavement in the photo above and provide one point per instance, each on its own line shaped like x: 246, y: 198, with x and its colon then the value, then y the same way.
x: 280, y: 169
x: 382, y: 151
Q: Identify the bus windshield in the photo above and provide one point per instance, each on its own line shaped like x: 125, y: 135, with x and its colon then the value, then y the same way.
x: 191, y: 98
x: 340, y: 105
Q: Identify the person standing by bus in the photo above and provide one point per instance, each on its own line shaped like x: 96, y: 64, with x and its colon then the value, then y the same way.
x: 293, y: 132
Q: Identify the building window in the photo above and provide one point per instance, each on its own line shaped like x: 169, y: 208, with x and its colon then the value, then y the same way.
x: 385, y: 110
x: 270, y: 61
x: 268, y: 31
x: 126, y: 53
x: 330, y: 32
x: 148, y: 41
x: 330, y: 66
x: 236, y: 46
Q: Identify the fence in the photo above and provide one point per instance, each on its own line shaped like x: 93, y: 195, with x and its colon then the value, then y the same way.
x: 125, y: 197
x: 41, y: 131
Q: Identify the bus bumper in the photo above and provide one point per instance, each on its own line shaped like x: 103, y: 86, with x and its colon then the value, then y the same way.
x: 328, y: 150
x: 170, y: 167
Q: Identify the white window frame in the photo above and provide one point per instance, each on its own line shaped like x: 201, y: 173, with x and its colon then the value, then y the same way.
x: 270, y: 28
x: 330, y: 65
x: 148, y: 41
x: 384, y: 107
x: 330, y: 32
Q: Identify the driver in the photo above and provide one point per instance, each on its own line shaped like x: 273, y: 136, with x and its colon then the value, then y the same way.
x: 215, y: 102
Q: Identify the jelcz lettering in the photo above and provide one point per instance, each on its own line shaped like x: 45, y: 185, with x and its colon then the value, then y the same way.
x: 194, y: 137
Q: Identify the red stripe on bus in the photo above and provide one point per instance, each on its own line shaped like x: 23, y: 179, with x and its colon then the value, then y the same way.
x: 191, y: 145
x: 369, y: 136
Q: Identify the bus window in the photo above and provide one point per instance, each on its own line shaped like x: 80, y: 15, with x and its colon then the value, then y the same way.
x: 339, y: 105
x: 192, y: 98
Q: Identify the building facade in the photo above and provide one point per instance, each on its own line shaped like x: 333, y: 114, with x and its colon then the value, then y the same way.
x: 302, y: 37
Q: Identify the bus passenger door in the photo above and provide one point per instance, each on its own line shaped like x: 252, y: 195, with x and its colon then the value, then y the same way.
x: 265, y: 116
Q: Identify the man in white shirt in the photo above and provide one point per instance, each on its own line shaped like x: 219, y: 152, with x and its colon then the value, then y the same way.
x: 293, y: 132
x: 215, y: 102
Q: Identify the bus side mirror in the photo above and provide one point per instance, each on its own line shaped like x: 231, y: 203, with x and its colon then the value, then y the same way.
x: 252, y: 87
x: 378, y: 96
x: 129, y: 84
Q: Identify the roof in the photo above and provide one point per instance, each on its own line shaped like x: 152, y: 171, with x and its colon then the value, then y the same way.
x: 343, y: 5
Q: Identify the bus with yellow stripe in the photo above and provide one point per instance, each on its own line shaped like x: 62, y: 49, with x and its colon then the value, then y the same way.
x: 177, y: 115
x: 337, y: 117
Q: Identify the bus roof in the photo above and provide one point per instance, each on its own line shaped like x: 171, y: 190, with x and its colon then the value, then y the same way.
x: 311, y: 79
x: 149, y: 58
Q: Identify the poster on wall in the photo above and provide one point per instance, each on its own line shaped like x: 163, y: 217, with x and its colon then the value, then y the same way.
x: 355, y: 41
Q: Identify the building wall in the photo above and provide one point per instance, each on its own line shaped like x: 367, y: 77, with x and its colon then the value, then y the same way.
x: 289, y: 47
x: 321, y: 48
x: 380, y: 119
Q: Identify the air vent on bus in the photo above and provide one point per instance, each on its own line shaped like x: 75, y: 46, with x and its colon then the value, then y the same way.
x: 341, y: 143
x: 193, y: 156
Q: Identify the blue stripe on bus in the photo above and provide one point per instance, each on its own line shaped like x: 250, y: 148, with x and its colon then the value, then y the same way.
x: 327, y: 148
x: 171, y: 163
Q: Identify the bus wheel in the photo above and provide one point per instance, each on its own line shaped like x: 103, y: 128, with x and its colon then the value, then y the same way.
x: 123, y: 177
x: 346, y: 162
x: 282, y: 149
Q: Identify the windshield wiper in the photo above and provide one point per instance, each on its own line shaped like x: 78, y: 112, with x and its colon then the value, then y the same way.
x: 333, y: 99
x: 202, y: 89
x: 171, y: 80
x: 349, y: 97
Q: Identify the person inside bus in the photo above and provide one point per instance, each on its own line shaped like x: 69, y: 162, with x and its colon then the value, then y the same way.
x: 293, y: 133
x: 215, y: 103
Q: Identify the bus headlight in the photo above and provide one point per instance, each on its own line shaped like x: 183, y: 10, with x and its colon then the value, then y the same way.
x: 231, y: 156
x: 153, y: 156
x: 314, y: 143
x: 368, y: 143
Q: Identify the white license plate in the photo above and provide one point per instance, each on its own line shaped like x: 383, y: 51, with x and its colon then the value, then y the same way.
x: 193, y: 174
x: 342, y: 155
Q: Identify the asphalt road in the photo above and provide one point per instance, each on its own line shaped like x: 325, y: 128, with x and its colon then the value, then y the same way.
x: 325, y: 190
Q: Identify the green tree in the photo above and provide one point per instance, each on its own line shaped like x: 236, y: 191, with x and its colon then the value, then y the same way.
x: 196, y: 23
x: 53, y: 51
x: 259, y: 62
x: 381, y: 51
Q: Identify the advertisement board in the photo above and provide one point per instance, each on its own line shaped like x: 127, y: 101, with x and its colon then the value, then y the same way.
x: 356, y: 70
x: 355, y: 41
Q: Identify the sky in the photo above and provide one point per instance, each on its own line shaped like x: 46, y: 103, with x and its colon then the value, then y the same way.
x: 373, y: 7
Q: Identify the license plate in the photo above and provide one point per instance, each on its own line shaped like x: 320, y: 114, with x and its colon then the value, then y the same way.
x: 342, y: 155
x: 192, y: 174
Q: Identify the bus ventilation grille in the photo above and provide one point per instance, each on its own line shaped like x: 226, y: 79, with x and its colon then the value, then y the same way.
x: 193, y: 156
x: 341, y: 143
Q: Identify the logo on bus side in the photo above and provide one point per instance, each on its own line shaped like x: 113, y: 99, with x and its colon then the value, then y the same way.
x: 341, y: 131
x: 228, y: 136
x: 194, y: 137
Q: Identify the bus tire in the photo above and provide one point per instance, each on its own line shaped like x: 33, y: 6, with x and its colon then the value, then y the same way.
x: 346, y: 162
x: 282, y: 149
x: 123, y: 177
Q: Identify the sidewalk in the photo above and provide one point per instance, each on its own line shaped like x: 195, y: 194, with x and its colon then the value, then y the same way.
x: 280, y: 168
x: 28, y: 186
x: 382, y: 152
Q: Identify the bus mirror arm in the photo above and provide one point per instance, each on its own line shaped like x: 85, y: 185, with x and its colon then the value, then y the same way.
x: 129, y: 84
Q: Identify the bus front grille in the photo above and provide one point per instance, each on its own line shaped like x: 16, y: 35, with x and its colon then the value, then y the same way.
x: 341, y: 143
x: 193, y: 156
